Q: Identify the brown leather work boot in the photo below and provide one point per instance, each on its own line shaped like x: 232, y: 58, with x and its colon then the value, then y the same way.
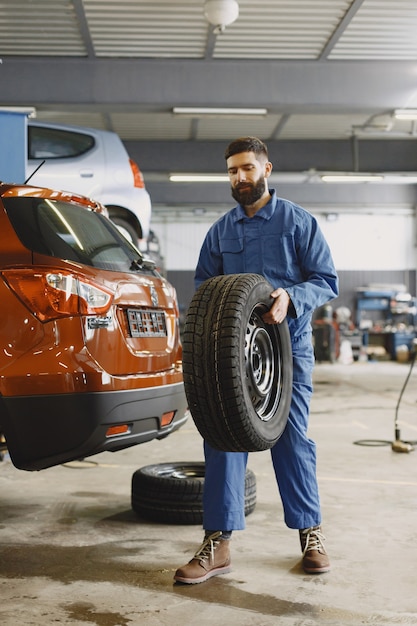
x: 211, y: 559
x: 315, y: 559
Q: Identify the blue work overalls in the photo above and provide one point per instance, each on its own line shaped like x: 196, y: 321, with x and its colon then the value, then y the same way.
x: 283, y: 243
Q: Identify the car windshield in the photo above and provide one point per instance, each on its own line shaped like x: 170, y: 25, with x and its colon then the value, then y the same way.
x: 67, y: 231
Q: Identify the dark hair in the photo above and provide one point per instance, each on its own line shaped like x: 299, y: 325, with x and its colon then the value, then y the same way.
x: 246, y: 144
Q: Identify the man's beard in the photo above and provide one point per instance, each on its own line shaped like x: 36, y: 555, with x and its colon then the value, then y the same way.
x: 250, y: 192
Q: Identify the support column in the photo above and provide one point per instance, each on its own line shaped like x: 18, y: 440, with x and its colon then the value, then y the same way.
x: 13, y: 144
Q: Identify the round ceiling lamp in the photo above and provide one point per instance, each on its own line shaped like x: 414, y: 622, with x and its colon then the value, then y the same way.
x: 221, y: 13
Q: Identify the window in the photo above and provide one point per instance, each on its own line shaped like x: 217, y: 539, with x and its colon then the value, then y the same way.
x: 51, y: 143
x: 73, y: 233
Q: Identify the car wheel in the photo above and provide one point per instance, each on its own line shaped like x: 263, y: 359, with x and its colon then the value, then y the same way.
x: 126, y: 229
x: 172, y: 493
x: 237, y: 369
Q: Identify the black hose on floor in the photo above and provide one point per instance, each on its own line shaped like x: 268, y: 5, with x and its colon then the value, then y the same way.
x: 398, y: 445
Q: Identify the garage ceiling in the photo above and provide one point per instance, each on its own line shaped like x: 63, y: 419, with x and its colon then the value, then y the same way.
x: 330, y: 73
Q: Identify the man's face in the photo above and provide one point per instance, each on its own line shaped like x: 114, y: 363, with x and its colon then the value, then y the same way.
x: 247, y: 177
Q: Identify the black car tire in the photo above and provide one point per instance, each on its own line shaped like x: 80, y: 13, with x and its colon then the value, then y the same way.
x: 172, y: 493
x: 237, y: 369
x: 126, y: 229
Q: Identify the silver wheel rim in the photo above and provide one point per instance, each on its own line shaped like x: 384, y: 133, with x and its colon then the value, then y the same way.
x: 262, y: 366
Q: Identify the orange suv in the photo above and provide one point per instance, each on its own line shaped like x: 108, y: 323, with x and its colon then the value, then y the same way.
x: 90, y: 349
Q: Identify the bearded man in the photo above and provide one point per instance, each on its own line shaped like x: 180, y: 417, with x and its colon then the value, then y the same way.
x: 273, y: 237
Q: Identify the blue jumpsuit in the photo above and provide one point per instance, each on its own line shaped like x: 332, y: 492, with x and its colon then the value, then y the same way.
x: 283, y: 243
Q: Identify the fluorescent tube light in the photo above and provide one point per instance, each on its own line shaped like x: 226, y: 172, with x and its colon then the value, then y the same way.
x: 405, y: 114
x: 351, y: 178
x: 198, y: 178
x: 218, y: 111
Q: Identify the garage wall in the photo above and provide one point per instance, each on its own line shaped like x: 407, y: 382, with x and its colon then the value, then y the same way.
x: 371, y: 242
x: 367, y: 248
x: 372, y: 249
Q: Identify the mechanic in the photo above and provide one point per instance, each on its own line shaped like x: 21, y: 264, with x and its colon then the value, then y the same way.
x: 267, y: 235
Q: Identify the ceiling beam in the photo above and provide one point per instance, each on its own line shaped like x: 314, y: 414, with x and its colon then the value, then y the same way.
x: 84, y: 28
x: 158, y: 159
x: 286, y: 156
x: 339, y: 31
x: 282, y: 86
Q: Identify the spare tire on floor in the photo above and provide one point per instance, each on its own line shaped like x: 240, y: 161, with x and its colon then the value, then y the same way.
x: 237, y: 369
x: 172, y: 493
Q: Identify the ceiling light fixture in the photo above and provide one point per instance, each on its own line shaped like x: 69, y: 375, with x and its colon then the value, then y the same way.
x: 221, y: 13
x: 351, y: 178
x: 198, y: 178
x: 395, y: 178
x: 217, y: 111
x: 405, y: 114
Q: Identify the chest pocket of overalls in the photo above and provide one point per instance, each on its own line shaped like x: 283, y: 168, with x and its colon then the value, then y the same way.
x: 280, y: 256
x: 232, y: 255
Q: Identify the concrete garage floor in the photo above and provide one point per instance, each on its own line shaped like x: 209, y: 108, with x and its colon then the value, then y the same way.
x: 72, y: 552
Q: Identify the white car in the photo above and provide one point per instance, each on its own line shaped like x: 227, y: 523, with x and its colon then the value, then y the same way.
x: 93, y: 163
